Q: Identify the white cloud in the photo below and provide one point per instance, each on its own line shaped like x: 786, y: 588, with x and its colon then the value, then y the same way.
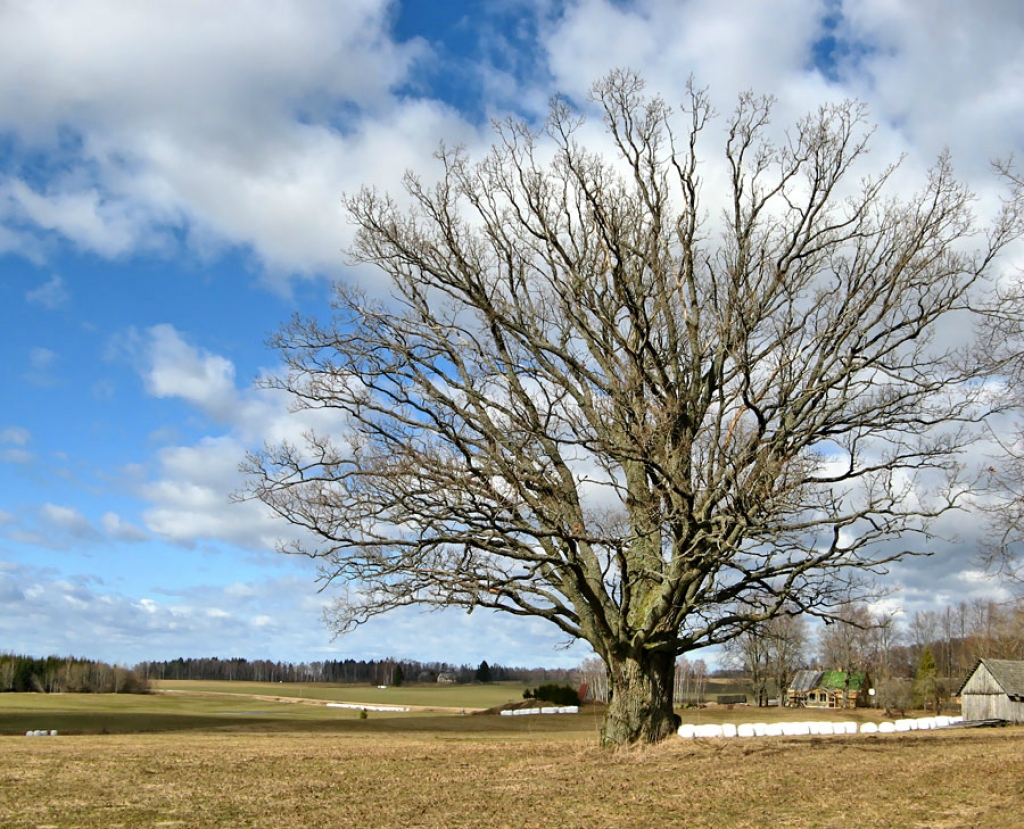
x: 66, y: 521
x: 176, y: 369
x: 237, y: 123
x: 732, y: 47
x: 41, y: 364
x: 190, y: 489
x: 17, y: 435
x: 120, y: 530
x: 946, y: 73
x: 276, y: 618
x: 51, y: 294
x: 191, y: 500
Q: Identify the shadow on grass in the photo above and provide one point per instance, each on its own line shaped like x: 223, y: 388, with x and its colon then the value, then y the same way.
x: 126, y: 722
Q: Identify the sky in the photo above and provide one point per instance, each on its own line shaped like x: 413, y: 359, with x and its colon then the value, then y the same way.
x: 171, y: 177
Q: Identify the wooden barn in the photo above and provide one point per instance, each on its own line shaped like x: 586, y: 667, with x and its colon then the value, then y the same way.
x: 828, y: 689
x: 994, y: 690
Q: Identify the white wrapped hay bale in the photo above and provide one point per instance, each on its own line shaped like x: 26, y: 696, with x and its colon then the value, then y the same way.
x: 745, y: 730
x: 901, y: 725
x: 886, y: 728
x: 686, y: 731
x: 868, y: 728
x: 729, y: 730
x: 774, y: 729
x: 925, y: 723
x: 707, y: 731
x: 760, y: 729
x: 942, y: 721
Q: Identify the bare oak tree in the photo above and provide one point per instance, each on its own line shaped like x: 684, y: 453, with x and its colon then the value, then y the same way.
x: 590, y: 402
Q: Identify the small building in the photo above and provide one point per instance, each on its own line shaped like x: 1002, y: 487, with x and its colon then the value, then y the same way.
x: 828, y: 689
x: 994, y: 690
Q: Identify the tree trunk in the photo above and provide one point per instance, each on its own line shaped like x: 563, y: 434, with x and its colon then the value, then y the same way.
x: 640, y: 709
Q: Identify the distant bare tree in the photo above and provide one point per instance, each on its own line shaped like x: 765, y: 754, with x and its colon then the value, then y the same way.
x: 586, y: 403
x: 884, y: 639
x: 769, y: 653
x: 845, y: 643
x: 594, y: 673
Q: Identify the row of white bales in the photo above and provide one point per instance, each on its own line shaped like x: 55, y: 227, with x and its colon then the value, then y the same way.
x: 800, y: 729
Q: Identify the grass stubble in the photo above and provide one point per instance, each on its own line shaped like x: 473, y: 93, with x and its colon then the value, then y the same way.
x: 340, y: 779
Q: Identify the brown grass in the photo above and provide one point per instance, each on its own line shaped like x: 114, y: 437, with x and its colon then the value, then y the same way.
x: 935, y: 780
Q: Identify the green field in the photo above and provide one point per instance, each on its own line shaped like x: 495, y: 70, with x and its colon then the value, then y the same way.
x: 264, y: 707
x: 432, y: 695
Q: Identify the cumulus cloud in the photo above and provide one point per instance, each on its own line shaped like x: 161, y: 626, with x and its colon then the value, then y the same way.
x: 67, y: 521
x: 191, y: 486
x: 190, y: 497
x: 174, y: 368
x: 60, y: 527
x: 121, y: 530
x: 42, y: 612
x: 236, y: 124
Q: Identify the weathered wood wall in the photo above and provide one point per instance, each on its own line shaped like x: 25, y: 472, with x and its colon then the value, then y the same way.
x: 991, y: 707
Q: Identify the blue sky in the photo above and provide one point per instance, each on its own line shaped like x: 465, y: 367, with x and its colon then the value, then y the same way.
x: 170, y: 186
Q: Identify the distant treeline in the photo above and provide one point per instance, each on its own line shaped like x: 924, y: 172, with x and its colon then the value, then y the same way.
x: 67, y: 674
x: 352, y: 671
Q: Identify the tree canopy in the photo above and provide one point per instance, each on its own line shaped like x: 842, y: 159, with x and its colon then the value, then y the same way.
x: 591, y: 398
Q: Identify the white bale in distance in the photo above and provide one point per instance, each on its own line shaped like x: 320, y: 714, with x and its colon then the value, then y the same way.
x: 901, y: 725
x: 848, y: 727
x: 53, y: 732
x: 942, y: 721
x: 729, y: 730
x: 709, y: 730
x: 826, y: 729
x: 760, y: 729
x: 925, y: 723
x: 955, y: 720
x: 774, y: 729
x: 886, y: 728
x: 686, y: 731
x: 868, y: 728
x: 745, y: 730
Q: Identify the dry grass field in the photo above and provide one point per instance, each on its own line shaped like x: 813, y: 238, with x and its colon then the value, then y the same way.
x: 285, y: 780
x: 245, y: 759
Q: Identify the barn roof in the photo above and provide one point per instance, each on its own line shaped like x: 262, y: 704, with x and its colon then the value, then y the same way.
x: 805, y: 681
x: 1007, y: 673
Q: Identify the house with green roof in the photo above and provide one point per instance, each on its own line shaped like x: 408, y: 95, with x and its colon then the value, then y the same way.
x: 828, y: 689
